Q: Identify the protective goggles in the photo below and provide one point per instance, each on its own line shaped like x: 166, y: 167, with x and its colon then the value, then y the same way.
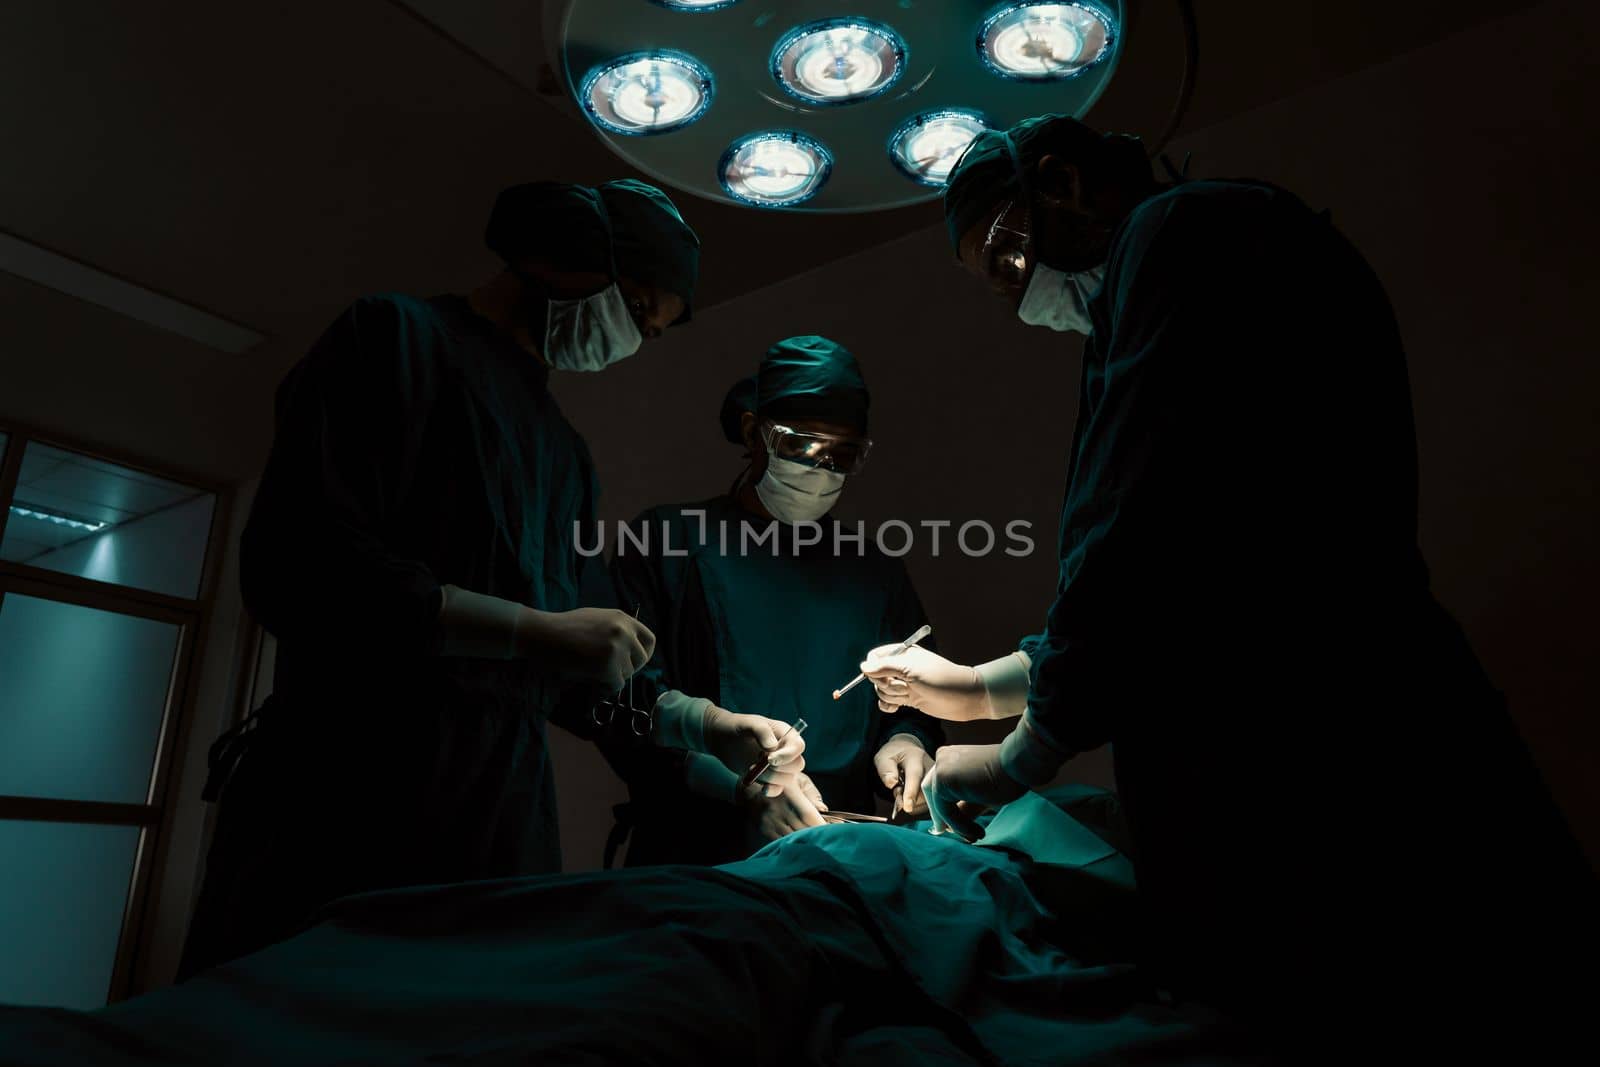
x: 834, y: 452
x: 1007, y: 254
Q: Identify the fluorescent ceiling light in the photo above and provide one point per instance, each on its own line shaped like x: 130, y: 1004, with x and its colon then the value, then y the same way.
x: 76, y: 279
x: 59, y: 520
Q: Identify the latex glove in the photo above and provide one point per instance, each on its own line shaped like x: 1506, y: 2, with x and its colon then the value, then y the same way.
x: 926, y: 681
x: 965, y: 780
x: 745, y: 742
x: 778, y: 816
x: 901, y: 764
x: 930, y: 683
x: 599, y: 645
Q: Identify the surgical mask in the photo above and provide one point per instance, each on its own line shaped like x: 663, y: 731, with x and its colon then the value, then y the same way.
x: 1060, y: 300
x: 590, y: 334
x: 793, y: 492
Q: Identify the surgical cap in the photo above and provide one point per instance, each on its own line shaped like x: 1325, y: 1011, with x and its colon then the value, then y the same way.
x: 623, y: 228
x: 555, y: 223
x: 985, y: 176
x: 812, y: 377
x: 740, y: 399
x: 652, y: 244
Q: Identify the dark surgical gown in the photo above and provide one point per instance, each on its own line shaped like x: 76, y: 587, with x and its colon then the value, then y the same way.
x: 762, y: 634
x: 1335, y: 820
x: 415, y: 447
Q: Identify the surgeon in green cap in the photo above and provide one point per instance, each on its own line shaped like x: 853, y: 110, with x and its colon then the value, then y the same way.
x: 770, y: 627
x: 1339, y: 832
x: 411, y: 548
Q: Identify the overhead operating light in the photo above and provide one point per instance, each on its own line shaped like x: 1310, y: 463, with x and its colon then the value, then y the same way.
x: 777, y: 168
x: 824, y: 106
x: 1045, y: 41
x: 59, y: 520
x: 927, y: 146
x: 647, y: 92
x: 838, y: 61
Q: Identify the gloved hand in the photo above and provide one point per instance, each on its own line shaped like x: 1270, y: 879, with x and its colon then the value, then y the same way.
x: 926, y: 681
x: 901, y: 764
x: 600, y: 645
x: 932, y: 684
x: 798, y: 807
x: 744, y: 742
x: 964, y: 781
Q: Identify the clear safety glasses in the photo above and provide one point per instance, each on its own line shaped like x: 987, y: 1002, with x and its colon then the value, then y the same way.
x: 835, y: 452
x: 1007, y: 254
x: 1007, y: 251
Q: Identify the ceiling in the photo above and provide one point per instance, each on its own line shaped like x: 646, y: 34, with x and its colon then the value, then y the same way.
x: 54, y: 482
x: 268, y: 162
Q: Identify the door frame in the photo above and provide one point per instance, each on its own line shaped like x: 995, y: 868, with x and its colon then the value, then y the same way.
x: 191, y: 615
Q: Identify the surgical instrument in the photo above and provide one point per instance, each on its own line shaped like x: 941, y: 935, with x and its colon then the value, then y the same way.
x: 907, y: 643
x: 751, y: 775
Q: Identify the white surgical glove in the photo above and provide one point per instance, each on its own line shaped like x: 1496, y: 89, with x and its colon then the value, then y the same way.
x: 599, y: 645
x: 901, y: 764
x: 966, y: 780
x: 925, y: 680
x: 742, y: 743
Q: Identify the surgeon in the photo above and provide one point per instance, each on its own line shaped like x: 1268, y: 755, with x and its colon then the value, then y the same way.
x: 771, y: 628
x: 411, y: 549
x: 1340, y: 835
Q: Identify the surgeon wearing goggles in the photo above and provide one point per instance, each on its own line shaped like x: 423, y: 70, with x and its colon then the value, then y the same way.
x: 1310, y: 758
x: 768, y: 627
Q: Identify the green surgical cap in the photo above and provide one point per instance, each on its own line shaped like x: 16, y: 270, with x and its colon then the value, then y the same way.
x: 985, y: 176
x: 652, y: 244
x: 625, y: 228
x: 813, y: 378
x: 555, y: 223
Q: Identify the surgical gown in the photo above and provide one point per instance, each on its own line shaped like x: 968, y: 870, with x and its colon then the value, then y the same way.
x: 763, y: 632
x: 416, y: 446
x: 1333, y: 816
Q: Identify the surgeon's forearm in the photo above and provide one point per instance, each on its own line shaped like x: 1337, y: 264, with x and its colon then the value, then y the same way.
x: 678, y: 720
x: 474, y: 625
x: 1028, y: 757
x: 705, y: 776
x: 1005, y: 685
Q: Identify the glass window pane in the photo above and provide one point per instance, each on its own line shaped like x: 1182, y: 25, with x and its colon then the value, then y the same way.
x: 82, y: 693
x: 63, y: 888
x: 77, y: 515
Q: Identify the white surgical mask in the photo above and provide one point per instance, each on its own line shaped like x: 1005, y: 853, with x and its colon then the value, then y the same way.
x: 793, y: 492
x: 1060, y: 300
x: 591, y: 333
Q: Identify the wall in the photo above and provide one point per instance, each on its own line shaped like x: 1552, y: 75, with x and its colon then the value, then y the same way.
x: 1464, y: 182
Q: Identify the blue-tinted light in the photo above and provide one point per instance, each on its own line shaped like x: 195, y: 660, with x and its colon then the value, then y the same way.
x: 647, y: 92
x: 838, y: 61
x: 777, y: 168
x: 695, y: 5
x: 927, y: 146
x: 1045, y: 42
x: 59, y: 520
